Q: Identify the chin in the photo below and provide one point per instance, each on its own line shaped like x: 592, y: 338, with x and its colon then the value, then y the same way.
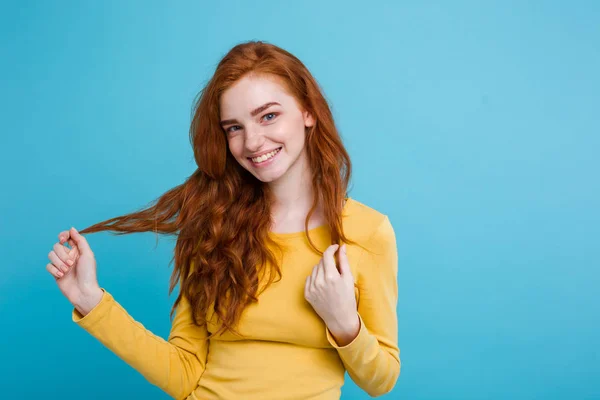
x: 267, y: 176
x: 265, y: 180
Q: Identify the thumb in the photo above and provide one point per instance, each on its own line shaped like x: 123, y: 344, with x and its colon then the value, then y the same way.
x: 344, y: 264
x: 74, y: 249
x: 80, y: 241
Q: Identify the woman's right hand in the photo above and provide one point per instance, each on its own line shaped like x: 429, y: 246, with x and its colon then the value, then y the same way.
x: 75, y: 270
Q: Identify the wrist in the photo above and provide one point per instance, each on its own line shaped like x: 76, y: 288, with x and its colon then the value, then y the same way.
x: 346, y: 331
x: 88, y: 299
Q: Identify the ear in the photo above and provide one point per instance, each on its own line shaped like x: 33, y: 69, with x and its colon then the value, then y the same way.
x: 309, y: 120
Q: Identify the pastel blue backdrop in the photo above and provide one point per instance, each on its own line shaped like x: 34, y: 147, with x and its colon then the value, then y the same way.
x: 473, y: 125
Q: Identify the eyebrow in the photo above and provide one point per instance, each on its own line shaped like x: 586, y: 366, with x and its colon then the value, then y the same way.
x: 254, y: 112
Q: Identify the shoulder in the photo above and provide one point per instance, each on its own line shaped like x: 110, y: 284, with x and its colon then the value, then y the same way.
x: 376, y: 254
x: 365, y: 224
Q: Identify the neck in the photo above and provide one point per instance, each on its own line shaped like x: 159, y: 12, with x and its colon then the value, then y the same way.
x: 293, y: 193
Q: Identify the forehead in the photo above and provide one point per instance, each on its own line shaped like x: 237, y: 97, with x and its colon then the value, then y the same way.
x: 252, y: 91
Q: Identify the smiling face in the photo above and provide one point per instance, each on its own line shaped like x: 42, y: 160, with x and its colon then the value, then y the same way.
x: 261, y: 119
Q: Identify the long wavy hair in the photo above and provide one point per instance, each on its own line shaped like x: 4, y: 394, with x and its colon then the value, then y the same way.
x: 221, y: 213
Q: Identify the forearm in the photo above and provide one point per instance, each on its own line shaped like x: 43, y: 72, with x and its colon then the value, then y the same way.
x: 161, y: 362
x: 372, y: 364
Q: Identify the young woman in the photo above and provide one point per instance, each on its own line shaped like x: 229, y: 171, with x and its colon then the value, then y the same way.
x: 270, y: 306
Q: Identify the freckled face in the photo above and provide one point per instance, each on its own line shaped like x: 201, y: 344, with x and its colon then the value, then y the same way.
x: 260, y: 119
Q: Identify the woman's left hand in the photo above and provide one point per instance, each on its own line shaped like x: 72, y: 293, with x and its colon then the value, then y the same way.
x: 331, y: 294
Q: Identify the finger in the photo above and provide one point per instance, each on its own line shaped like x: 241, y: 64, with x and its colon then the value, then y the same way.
x: 344, y: 263
x: 74, y: 250
x: 63, y: 254
x: 330, y: 270
x: 63, y: 236
x: 54, y: 271
x: 57, y: 262
x: 307, y: 287
x: 80, y: 241
x: 313, y: 276
x: 319, y: 280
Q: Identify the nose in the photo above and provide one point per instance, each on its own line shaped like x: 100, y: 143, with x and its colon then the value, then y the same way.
x: 254, y: 139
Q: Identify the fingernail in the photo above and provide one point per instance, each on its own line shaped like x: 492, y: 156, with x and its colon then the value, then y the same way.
x: 70, y: 262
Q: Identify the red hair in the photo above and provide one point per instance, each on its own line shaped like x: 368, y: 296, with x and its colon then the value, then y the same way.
x: 221, y: 213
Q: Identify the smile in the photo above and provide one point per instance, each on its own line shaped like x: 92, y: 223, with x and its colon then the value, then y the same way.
x: 265, y: 159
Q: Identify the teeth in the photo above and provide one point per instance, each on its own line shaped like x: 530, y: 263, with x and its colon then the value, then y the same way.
x: 265, y: 157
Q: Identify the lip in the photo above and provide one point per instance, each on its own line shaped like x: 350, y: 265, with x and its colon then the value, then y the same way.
x: 268, y: 162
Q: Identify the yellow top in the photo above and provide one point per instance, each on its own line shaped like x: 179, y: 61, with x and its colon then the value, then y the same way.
x: 287, y: 351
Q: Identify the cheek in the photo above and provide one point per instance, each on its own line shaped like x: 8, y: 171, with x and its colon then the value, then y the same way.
x: 236, y: 147
x: 291, y: 133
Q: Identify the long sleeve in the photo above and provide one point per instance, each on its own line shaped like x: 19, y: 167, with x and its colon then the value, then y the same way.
x: 175, y: 365
x: 372, y: 359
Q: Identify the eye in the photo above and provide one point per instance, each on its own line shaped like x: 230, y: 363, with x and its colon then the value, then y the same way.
x: 230, y: 129
x: 270, y: 114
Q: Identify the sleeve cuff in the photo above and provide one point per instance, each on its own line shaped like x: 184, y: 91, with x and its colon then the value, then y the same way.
x: 95, y: 314
x: 360, y: 338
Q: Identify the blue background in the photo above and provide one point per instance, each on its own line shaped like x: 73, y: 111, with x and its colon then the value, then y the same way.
x: 473, y: 125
